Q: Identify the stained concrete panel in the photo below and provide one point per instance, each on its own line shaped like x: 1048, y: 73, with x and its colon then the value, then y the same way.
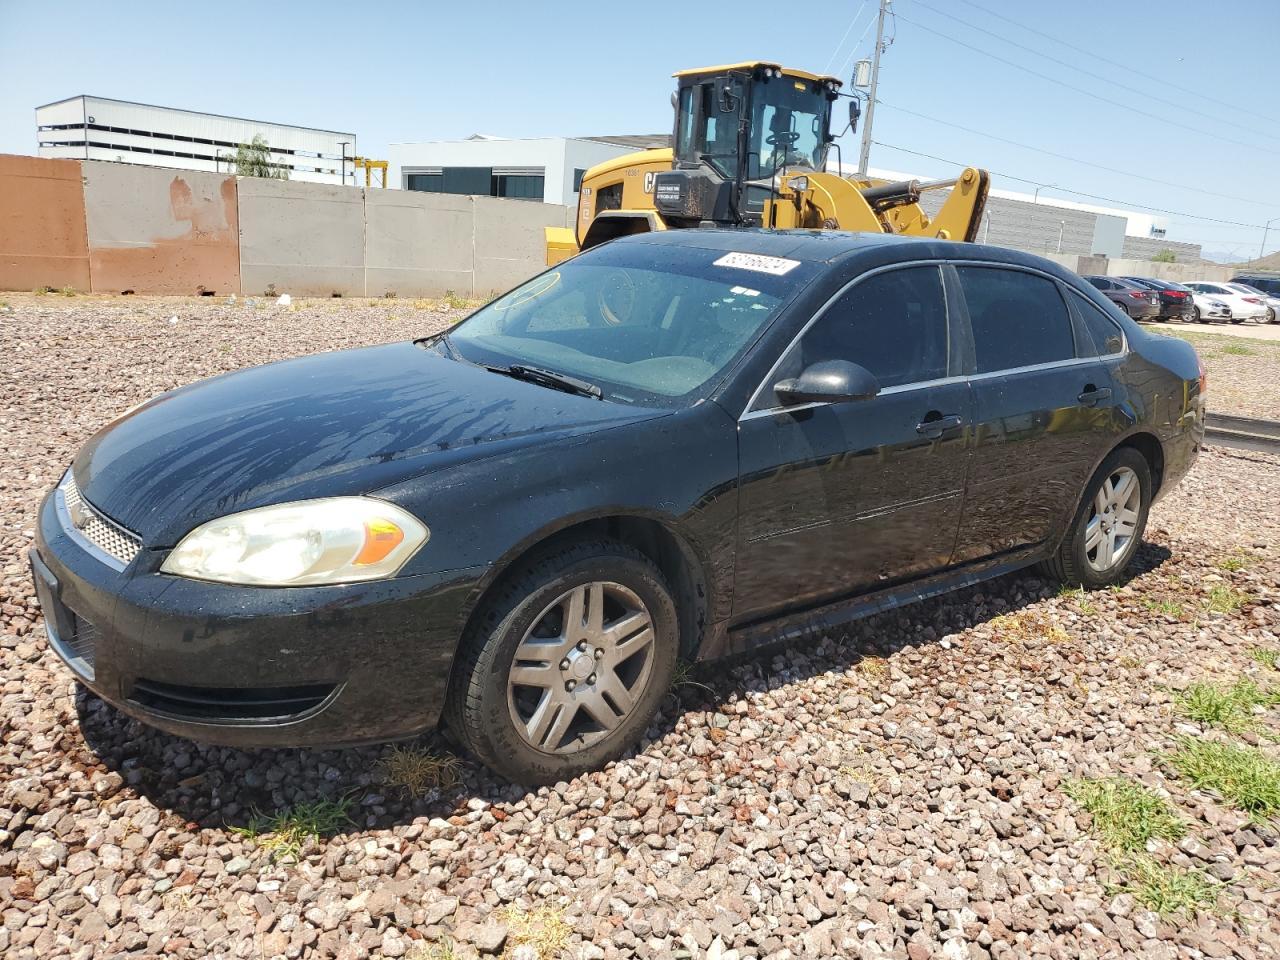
x: 510, y: 245
x: 42, y: 233
x: 304, y: 238
x: 417, y: 244
x: 161, y: 231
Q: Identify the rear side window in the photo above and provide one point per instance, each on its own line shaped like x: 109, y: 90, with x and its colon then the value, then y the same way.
x: 894, y: 324
x: 1103, y: 332
x: 1018, y: 319
x: 1100, y: 283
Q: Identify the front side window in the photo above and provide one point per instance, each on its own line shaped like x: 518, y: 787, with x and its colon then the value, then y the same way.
x: 893, y: 323
x: 647, y: 323
x: 1018, y: 319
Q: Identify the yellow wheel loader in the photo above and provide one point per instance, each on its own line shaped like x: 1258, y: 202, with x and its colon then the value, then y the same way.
x: 750, y: 148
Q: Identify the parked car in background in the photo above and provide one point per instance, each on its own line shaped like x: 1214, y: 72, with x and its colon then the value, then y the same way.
x: 1209, y: 309
x: 1244, y: 306
x: 1272, y: 302
x: 1268, y: 285
x: 1136, y: 301
x: 683, y: 444
x: 1175, y: 299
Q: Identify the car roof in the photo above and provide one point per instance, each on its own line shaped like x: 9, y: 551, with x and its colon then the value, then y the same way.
x: 831, y: 246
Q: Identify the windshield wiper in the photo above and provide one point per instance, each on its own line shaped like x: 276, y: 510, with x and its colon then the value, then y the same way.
x: 549, y: 378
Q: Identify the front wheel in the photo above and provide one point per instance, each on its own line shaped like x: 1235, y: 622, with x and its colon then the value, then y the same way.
x: 562, y: 670
x: 1108, y: 524
x: 1195, y: 314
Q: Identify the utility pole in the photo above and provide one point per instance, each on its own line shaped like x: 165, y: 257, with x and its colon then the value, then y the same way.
x: 1262, y: 248
x: 865, y: 156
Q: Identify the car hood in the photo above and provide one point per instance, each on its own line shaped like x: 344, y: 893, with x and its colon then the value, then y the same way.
x: 329, y: 424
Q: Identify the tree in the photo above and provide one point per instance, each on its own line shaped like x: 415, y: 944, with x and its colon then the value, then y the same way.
x: 1165, y: 256
x: 253, y: 159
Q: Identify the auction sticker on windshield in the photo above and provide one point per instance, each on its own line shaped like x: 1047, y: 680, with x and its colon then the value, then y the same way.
x: 757, y: 262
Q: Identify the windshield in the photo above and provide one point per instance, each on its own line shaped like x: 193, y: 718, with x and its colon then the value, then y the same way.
x: 648, y: 323
x: 789, y: 126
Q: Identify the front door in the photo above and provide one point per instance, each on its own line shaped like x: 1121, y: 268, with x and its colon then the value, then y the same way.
x: 839, y: 498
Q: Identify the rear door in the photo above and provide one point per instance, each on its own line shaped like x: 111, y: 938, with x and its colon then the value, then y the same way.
x: 838, y: 498
x: 1044, y: 409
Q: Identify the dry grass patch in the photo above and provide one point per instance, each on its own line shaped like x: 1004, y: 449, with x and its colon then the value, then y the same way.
x: 1029, y: 627
x: 419, y: 771
x: 875, y: 669
x: 538, y: 934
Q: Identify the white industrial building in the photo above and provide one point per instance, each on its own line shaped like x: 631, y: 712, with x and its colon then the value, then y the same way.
x: 98, y: 128
x: 549, y: 169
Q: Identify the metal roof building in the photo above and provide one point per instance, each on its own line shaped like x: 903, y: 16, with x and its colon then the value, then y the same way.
x: 98, y: 128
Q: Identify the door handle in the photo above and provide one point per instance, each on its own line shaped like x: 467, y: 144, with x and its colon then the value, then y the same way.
x: 1093, y: 396
x: 936, y: 427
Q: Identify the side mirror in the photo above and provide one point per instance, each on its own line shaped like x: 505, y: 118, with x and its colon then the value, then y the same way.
x: 855, y: 111
x: 828, y: 381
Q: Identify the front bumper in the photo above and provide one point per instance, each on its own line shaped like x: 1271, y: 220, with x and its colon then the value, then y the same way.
x: 251, y: 666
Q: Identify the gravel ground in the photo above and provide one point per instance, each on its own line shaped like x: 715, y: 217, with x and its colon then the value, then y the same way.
x: 1244, y: 372
x: 898, y: 790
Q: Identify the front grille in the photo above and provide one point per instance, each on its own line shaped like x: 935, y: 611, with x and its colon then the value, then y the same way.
x: 72, y: 637
x: 229, y: 704
x: 89, y: 523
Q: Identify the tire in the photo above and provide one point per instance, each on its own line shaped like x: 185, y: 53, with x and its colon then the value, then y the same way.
x: 1071, y: 564
x: 1195, y: 314
x: 519, y: 730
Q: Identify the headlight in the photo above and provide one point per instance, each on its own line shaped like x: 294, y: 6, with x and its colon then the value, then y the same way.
x: 337, y: 540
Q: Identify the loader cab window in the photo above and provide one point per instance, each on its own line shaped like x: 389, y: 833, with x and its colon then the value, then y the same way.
x: 789, y: 121
x: 715, y: 137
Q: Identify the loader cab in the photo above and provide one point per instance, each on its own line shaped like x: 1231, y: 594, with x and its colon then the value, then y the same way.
x: 736, y: 128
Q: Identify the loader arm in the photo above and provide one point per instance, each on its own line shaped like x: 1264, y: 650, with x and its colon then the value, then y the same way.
x: 829, y: 201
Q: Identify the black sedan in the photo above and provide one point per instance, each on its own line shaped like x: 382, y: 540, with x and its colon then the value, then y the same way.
x: 679, y: 445
x: 1176, y: 301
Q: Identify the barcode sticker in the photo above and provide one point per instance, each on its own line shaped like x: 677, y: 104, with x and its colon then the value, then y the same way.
x: 757, y: 262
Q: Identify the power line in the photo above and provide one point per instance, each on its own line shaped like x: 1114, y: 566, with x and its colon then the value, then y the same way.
x: 1253, y: 114
x: 1071, y: 66
x: 847, y: 30
x: 1063, y: 156
x: 844, y: 67
x: 1115, y: 103
x: 1077, y: 193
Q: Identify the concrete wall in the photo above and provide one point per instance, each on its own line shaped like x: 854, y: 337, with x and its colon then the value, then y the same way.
x: 161, y: 231
x: 42, y: 234
x: 112, y: 227
x: 421, y: 244
x: 307, y: 239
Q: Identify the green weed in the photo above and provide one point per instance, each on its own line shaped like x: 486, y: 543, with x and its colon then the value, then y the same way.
x: 1126, y: 815
x: 1242, y: 776
x: 284, y: 833
x: 1230, y: 707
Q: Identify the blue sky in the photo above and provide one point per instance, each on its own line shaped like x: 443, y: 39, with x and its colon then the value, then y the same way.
x: 1205, y: 116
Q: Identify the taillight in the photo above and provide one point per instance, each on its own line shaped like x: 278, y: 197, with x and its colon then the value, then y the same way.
x: 1251, y: 300
x: 1177, y: 294
x: 1138, y: 294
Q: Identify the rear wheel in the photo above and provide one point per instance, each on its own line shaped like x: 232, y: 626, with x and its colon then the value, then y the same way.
x: 1108, y: 524
x: 564, y: 667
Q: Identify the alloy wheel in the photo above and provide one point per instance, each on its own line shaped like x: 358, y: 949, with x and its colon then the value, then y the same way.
x: 1113, y: 520
x: 581, y: 667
